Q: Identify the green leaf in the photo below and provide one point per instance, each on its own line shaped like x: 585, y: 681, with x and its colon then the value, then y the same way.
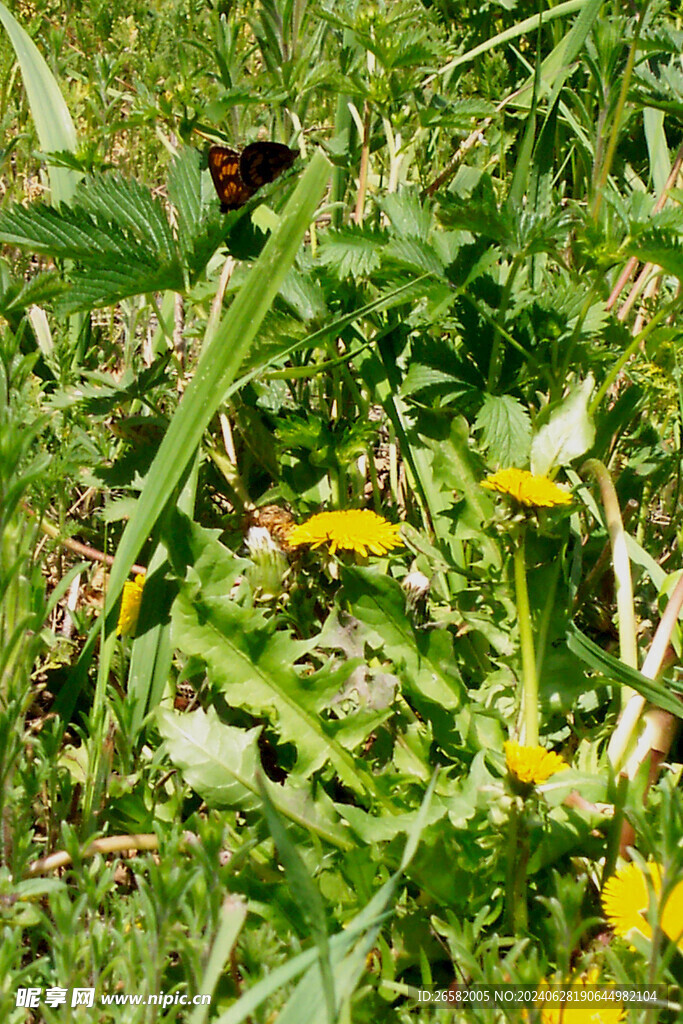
x: 424, y: 660
x: 505, y: 430
x: 611, y: 668
x: 51, y: 115
x: 200, y: 226
x: 255, y: 664
x: 409, y: 216
x: 220, y: 762
x: 115, y: 230
x: 353, y: 251
x: 569, y: 432
x: 38, y: 290
x: 415, y: 254
x: 255, y: 667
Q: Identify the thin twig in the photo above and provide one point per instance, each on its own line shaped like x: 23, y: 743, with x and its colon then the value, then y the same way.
x: 109, y: 844
x: 75, y: 546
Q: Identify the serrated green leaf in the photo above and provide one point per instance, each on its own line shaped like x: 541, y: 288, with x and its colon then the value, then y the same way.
x: 353, y: 251
x: 414, y: 253
x: 200, y: 226
x: 115, y: 231
x: 220, y: 763
x: 132, y: 209
x: 505, y: 430
x: 40, y: 289
x: 424, y: 660
x: 254, y: 665
x: 409, y: 215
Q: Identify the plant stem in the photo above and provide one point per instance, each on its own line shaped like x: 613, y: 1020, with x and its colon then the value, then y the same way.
x: 526, y: 641
x: 628, y: 646
x: 495, y: 361
x: 516, y: 917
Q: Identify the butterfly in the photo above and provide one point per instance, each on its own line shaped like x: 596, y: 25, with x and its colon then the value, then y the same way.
x: 237, y: 176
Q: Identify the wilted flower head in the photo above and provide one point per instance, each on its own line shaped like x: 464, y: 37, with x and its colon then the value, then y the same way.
x: 260, y: 540
x: 416, y: 588
x: 356, y: 530
x: 527, y: 489
x: 415, y: 584
x: 626, y: 900
x: 131, y: 600
x: 532, y: 765
x: 269, y: 568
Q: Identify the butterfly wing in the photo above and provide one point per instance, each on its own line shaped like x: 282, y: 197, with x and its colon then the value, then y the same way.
x: 262, y: 162
x: 224, y: 165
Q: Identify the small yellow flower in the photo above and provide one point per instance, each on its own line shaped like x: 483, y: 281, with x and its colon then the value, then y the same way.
x: 130, y: 605
x: 527, y: 489
x: 625, y: 901
x: 354, y: 530
x: 557, y: 1013
x: 531, y: 765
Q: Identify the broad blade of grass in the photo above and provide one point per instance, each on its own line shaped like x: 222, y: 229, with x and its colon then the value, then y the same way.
x: 218, y: 366
x: 53, y: 121
x: 306, y: 895
x: 233, y: 916
x: 520, y: 29
x: 601, y: 661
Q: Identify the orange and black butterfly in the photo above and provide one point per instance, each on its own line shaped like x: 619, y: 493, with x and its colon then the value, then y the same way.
x: 237, y: 176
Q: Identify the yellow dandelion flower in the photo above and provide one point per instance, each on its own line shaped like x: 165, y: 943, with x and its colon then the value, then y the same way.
x: 354, y: 530
x: 131, y: 600
x: 531, y: 765
x: 527, y: 489
x: 558, y: 1013
x: 625, y: 902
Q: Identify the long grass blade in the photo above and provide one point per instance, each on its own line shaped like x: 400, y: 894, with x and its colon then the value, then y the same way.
x: 55, y: 128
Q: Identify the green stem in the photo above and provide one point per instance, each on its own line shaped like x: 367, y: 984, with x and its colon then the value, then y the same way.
x: 614, y: 835
x: 496, y: 356
x: 516, y: 917
x: 526, y: 641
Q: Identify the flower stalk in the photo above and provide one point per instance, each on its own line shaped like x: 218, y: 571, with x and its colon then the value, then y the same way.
x: 526, y: 642
x: 516, y: 913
